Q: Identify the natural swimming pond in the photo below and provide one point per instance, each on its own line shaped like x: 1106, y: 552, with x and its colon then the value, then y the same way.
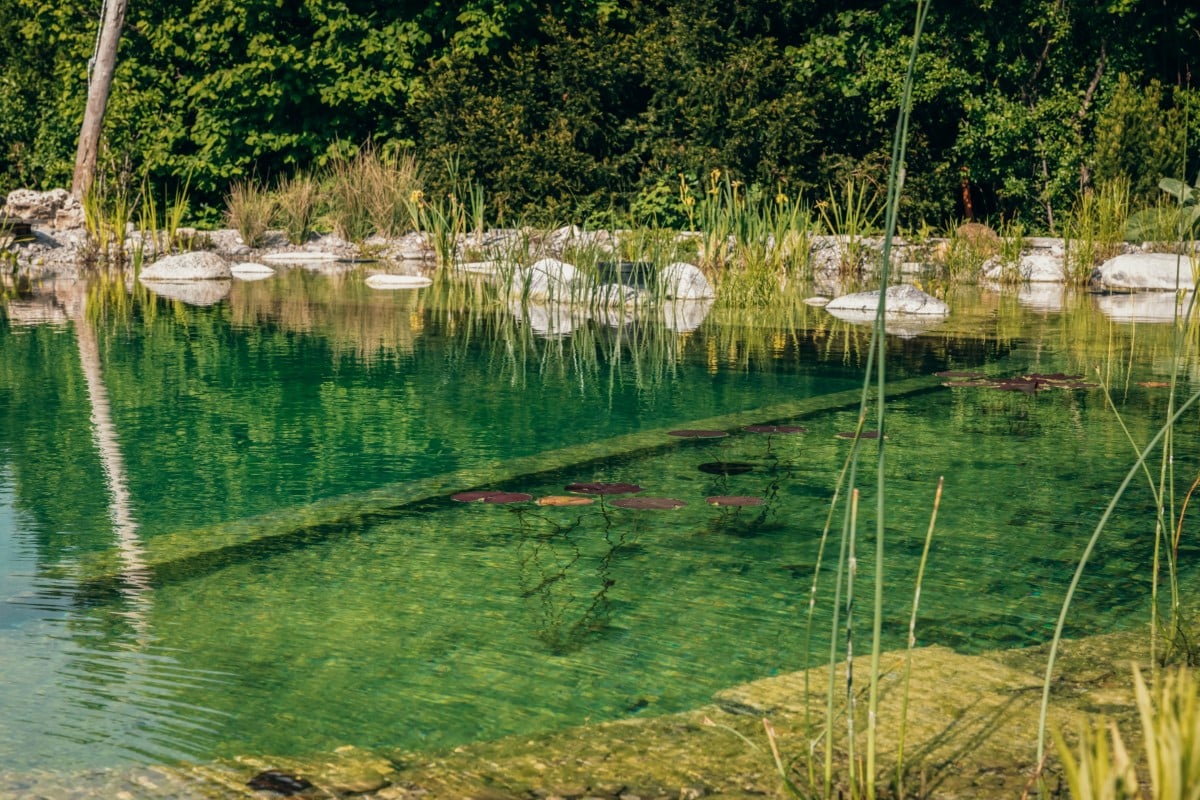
x: 230, y: 529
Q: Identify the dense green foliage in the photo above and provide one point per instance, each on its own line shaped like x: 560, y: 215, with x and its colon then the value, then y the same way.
x: 576, y: 107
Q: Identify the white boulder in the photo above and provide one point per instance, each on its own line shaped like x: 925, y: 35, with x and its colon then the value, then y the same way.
x: 1145, y: 271
x: 1033, y: 268
x: 548, y: 279
x: 683, y: 281
x: 198, y: 266
x: 901, y: 300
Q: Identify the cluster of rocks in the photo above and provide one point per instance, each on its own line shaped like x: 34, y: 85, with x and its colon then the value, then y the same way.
x: 557, y: 295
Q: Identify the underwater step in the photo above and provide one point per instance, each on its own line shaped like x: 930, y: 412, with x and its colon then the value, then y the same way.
x: 182, y: 555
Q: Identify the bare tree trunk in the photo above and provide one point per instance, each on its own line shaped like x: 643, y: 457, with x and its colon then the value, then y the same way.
x: 100, y: 75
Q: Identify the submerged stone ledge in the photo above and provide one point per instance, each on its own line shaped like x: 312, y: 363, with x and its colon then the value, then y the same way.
x: 971, y: 734
x: 180, y: 555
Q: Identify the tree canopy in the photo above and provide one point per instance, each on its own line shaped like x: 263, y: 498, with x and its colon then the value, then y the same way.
x: 580, y: 106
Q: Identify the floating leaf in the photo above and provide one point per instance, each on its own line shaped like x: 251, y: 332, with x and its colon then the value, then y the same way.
x: 565, y: 500
x: 655, y: 503
x: 775, y: 429
x: 863, y: 435
x: 508, y: 497
x: 604, y: 488
x: 697, y: 434
x: 726, y: 467
x: 491, y: 497
x: 734, y: 500
x: 470, y: 497
x: 1155, y: 384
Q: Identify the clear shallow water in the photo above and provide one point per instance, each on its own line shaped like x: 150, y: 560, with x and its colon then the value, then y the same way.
x: 436, y: 623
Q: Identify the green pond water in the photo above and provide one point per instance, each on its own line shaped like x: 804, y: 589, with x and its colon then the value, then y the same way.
x: 228, y: 529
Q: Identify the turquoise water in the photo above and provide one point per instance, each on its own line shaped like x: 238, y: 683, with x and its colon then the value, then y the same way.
x: 432, y: 623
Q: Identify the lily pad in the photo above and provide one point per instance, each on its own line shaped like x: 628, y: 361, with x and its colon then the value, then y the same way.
x: 737, y: 501
x: 508, y: 497
x: 862, y: 435
x: 565, y: 500
x: 786, y: 429
x: 1155, y: 384
x: 726, y: 467
x: 491, y: 497
x: 655, y: 503
x: 697, y: 434
x: 604, y: 488
x: 470, y: 497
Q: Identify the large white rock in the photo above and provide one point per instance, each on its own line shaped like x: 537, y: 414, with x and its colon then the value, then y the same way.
x: 198, y: 266
x: 1145, y: 271
x: 1033, y: 268
x: 901, y: 300
x: 683, y: 281
x: 31, y: 204
x: 549, y: 279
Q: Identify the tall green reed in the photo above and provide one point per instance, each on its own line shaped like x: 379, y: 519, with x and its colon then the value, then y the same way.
x: 1095, y: 229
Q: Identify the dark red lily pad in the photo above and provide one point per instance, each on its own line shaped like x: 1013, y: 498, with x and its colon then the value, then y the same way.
x: 508, y: 497
x: 967, y: 383
x: 964, y: 374
x: 775, y: 429
x: 1155, y: 384
x: 726, y: 467
x: 565, y: 500
x: 863, y: 435
x: 655, y: 503
x: 491, y: 497
x: 604, y: 488
x: 697, y: 434
x: 470, y: 497
x: 737, y: 501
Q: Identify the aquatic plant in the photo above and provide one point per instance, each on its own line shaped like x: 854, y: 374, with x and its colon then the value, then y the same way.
x: 850, y: 218
x: 1095, y: 229
x: 1101, y: 766
x: 1168, y: 220
x: 107, y: 212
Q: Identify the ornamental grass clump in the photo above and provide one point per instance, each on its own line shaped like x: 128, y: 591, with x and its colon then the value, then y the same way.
x: 370, y: 193
x: 1101, y: 768
x: 297, y: 199
x: 250, y: 210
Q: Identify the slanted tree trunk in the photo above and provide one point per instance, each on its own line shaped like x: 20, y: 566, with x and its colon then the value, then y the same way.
x: 99, y: 82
